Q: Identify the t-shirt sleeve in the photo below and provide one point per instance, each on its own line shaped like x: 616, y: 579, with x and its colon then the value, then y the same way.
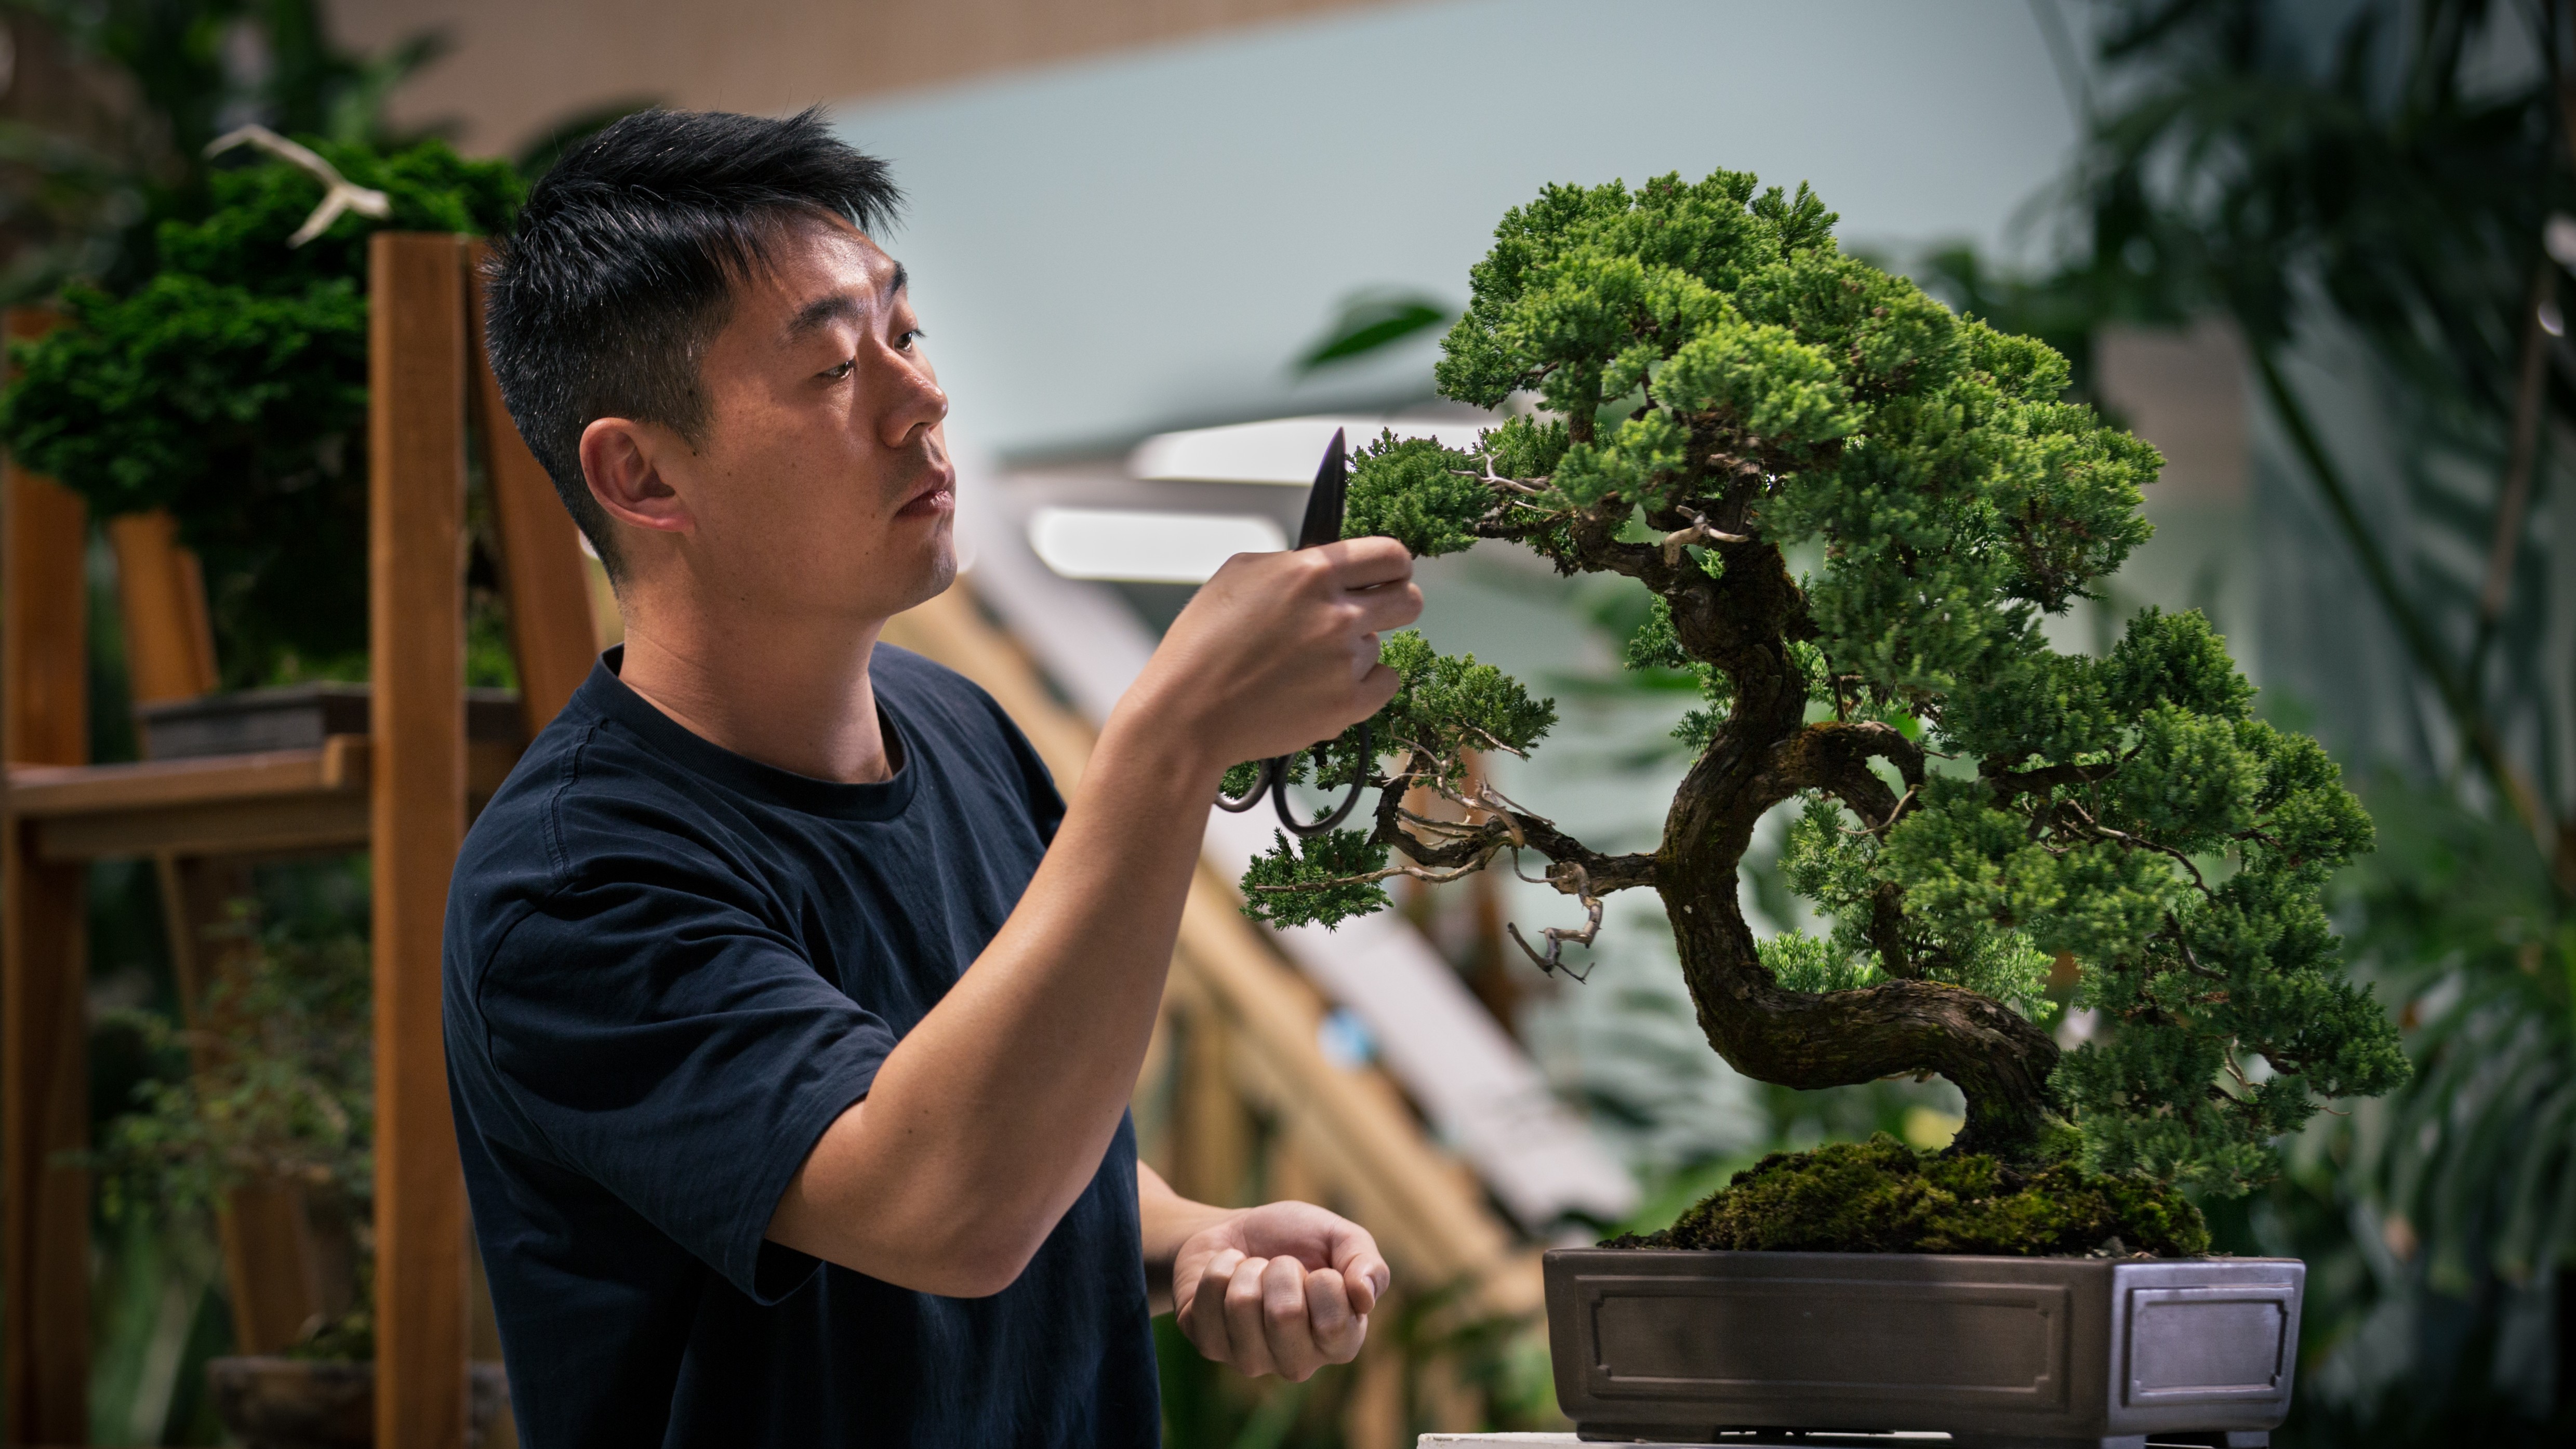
x: 667, y: 1043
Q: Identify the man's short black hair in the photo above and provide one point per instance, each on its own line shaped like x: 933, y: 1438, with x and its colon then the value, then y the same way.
x: 623, y: 262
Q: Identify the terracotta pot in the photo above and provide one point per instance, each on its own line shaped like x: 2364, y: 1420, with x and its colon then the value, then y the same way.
x: 1665, y: 1344
x: 294, y: 1403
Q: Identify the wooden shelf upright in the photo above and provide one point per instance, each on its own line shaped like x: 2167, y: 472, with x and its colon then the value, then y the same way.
x: 400, y: 792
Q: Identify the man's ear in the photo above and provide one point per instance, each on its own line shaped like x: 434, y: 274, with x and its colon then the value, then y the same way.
x: 621, y: 460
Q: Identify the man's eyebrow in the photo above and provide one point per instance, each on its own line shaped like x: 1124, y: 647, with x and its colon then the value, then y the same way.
x: 815, y: 315
x: 824, y: 310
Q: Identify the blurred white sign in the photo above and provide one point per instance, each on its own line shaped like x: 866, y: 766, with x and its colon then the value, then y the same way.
x: 1137, y: 546
x: 1282, y: 450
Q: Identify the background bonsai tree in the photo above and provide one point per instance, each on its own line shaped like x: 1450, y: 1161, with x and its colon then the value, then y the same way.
x: 1852, y: 508
x: 230, y: 387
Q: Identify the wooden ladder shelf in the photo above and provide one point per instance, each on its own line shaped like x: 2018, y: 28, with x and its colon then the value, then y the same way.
x: 400, y: 792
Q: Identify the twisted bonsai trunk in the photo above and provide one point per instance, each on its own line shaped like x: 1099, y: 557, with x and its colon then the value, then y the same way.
x: 1740, y: 621
x: 1766, y: 753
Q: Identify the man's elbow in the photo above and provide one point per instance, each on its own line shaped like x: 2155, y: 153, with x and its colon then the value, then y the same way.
x: 978, y: 1262
x: 978, y: 1278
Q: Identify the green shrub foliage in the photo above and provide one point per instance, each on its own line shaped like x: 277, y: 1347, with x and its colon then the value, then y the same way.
x: 1708, y: 387
x: 231, y: 389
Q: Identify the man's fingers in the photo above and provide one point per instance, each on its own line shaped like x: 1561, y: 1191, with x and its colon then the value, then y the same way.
x: 1338, y: 1330
x: 1360, y: 563
x: 1389, y: 606
x: 1362, y: 1267
x: 1373, y: 691
x: 1283, y: 1309
x: 1367, y: 1277
x: 1203, y: 1317
x: 1247, y: 1337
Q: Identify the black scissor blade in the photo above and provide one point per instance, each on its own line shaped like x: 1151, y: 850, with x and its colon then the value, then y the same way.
x: 1324, y: 502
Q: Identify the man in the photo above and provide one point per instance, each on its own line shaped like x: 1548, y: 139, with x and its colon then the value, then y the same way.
x: 791, y: 1015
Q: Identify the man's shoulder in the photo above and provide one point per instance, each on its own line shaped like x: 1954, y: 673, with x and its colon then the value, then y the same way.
x: 913, y: 679
x: 584, y: 790
x: 925, y: 689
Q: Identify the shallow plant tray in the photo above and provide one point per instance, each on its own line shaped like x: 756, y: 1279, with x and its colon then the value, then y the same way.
x: 2105, y: 1353
x: 292, y: 717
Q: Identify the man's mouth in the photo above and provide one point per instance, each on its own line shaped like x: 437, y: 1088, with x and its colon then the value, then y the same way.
x: 938, y: 496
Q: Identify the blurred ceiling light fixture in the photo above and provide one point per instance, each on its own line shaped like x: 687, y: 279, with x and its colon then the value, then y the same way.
x: 2559, y: 236
x: 1281, y: 451
x: 1139, y: 546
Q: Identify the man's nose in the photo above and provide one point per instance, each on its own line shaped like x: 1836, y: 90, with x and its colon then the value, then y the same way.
x: 916, y: 402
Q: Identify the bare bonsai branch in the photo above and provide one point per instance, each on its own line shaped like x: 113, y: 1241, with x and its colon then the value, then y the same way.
x: 1572, y: 879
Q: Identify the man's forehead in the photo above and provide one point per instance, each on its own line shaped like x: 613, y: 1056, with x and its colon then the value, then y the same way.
x: 832, y: 276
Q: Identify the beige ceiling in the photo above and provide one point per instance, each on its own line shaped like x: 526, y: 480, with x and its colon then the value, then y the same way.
x: 515, y: 67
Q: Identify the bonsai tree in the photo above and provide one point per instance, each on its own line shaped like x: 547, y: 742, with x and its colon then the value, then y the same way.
x: 1852, y: 508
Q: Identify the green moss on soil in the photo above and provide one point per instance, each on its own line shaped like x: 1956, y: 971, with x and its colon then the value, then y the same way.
x: 1882, y: 1196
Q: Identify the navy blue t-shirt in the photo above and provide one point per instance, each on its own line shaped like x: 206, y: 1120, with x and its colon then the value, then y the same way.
x: 668, y: 969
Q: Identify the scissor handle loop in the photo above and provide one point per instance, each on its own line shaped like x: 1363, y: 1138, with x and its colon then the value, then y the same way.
x: 1272, y: 780
x: 1341, y: 812
x: 1263, y: 780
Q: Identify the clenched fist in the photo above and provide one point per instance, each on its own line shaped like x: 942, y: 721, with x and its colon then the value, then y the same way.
x: 1280, y: 1289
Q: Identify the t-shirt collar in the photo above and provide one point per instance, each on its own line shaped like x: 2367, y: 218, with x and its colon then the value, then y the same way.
x: 609, y: 697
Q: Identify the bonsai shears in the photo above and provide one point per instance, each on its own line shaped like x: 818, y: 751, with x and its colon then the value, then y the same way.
x: 1323, y: 524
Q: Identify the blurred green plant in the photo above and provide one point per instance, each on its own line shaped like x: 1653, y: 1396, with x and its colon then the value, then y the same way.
x: 1372, y: 320
x: 274, y: 1085
x: 2382, y: 173
x: 2379, y: 182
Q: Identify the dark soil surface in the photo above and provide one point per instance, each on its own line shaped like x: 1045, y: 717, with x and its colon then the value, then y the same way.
x: 1882, y: 1196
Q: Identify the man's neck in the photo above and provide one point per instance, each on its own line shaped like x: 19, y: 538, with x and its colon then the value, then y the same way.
x: 793, y: 694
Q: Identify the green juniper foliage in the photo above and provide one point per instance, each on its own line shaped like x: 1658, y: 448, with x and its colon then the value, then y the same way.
x: 1717, y: 383
x: 231, y: 388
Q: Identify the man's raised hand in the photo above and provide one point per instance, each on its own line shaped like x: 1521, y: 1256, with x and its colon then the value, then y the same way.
x: 1280, y: 650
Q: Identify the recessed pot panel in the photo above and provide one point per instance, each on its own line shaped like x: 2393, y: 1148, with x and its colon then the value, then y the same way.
x: 1944, y: 1342
x: 2187, y: 1344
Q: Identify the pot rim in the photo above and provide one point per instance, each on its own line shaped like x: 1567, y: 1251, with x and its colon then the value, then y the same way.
x: 1734, y: 1253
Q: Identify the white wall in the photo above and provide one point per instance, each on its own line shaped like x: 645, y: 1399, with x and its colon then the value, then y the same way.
x: 1110, y: 247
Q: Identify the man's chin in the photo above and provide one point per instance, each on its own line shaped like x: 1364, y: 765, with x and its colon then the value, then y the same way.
x: 937, y: 569
x: 942, y: 574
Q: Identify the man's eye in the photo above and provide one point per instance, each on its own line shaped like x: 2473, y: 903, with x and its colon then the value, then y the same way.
x: 909, y: 337
x: 841, y: 369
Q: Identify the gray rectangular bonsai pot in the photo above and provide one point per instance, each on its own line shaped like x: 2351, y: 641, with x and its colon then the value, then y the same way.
x: 1666, y: 1344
